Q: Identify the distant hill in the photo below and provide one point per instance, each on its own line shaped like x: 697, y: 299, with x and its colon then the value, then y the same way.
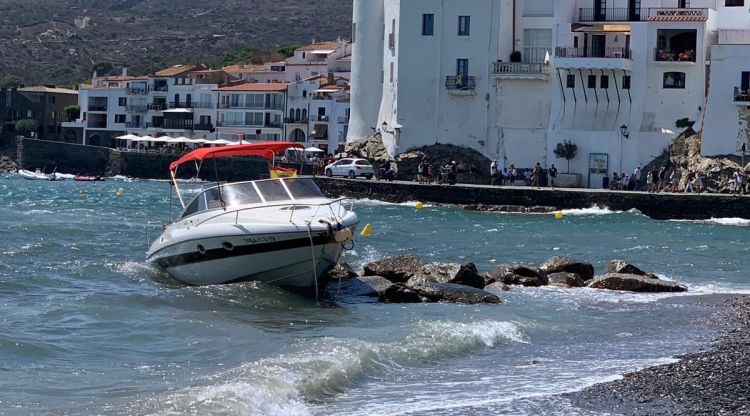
x: 59, y: 41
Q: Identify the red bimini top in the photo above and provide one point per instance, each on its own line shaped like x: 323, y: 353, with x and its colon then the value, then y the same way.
x: 266, y: 150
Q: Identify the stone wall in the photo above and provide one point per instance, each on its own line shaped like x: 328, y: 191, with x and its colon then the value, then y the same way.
x: 657, y: 206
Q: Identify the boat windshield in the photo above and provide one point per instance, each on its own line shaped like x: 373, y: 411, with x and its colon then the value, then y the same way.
x: 245, y: 193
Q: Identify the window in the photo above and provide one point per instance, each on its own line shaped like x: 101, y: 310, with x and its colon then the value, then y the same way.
x: 626, y: 82
x: 304, y: 93
x: 674, y: 80
x: 119, y: 118
x: 122, y: 101
x: 734, y: 3
x: 462, y: 67
x: 464, y: 25
x: 683, y: 4
x: 536, y: 44
x: 575, y: 42
x: 604, y: 82
x: 592, y: 81
x: 428, y: 24
x: 570, y: 81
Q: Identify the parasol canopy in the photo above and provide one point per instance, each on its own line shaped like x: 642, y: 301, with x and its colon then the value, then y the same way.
x: 266, y: 150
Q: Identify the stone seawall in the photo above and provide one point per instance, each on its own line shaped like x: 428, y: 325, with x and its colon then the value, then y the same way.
x: 92, y: 160
x: 657, y: 206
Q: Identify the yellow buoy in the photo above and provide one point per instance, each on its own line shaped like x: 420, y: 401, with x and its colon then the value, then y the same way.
x: 120, y: 192
x: 558, y: 215
x: 82, y: 192
x: 367, y: 231
x: 419, y: 205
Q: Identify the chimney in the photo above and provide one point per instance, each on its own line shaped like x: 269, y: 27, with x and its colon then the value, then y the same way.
x: 124, y: 71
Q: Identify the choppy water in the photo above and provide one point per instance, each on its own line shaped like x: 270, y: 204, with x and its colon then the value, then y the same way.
x: 88, y: 328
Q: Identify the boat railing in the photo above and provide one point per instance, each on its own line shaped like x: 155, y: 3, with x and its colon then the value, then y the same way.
x: 293, y: 206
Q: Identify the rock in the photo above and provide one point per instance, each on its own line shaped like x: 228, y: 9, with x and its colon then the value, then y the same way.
x: 377, y: 284
x: 472, y: 165
x: 342, y: 271
x: 448, y: 273
x: 370, y: 148
x: 634, y: 283
x: 622, y: 267
x: 396, y: 269
x: 497, y: 287
x: 518, y: 275
x: 369, y: 286
x: 564, y: 279
x: 559, y: 264
x: 438, y: 292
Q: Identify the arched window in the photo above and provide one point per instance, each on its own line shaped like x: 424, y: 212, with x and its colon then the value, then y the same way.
x: 297, y: 116
x: 177, y: 100
x: 188, y: 100
x: 304, y: 114
x: 291, y: 114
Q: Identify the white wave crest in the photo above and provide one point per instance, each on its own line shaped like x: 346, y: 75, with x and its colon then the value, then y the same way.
x: 734, y: 222
x: 282, y: 385
x: 375, y: 202
x: 594, y: 210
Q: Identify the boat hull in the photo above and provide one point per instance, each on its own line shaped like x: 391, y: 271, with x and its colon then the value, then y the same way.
x: 291, y: 259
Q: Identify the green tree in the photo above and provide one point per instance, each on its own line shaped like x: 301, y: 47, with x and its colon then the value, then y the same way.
x: 26, y: 126
x: 243, y: 55
x: 102, y: 68
x: 72, y: 112
x: 10, y: 81
x: 566, y: 150
x: 288, y: 50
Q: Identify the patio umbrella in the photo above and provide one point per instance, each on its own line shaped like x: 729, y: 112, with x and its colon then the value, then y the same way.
x: 131, y: 137
x: 314, y: 149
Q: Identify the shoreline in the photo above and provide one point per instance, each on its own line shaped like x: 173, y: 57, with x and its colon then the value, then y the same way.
x: 711, y: 381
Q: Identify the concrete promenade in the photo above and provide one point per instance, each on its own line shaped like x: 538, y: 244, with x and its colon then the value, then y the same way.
x: 658, y: 206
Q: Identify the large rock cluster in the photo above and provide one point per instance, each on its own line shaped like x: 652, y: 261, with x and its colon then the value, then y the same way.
x: 7, y: 164
x: 472, y: 165
x: 407, y: 279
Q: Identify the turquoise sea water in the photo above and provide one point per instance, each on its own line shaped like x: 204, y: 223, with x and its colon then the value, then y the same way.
x: 88, y: 327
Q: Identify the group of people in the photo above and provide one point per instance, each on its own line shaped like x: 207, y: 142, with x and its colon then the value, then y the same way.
x: 447, y: 173
x: 533, y: 177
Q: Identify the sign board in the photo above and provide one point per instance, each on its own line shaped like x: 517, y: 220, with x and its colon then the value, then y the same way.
x: 598, y: 162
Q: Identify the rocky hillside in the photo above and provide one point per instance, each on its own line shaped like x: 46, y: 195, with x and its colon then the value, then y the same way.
x: 58, y: 41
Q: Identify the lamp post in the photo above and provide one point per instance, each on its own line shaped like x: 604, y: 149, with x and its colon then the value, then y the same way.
x: 624, y: 132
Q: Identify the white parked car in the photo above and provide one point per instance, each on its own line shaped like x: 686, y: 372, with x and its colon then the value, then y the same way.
x: 350, y: 168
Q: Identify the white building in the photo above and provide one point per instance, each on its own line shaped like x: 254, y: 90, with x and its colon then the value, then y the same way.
x: 251, y: 111
x: 612, y: 76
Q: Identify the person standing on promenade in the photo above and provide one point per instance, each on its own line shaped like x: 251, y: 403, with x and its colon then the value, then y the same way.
x: 675, y: 180
x: 552, y: 175
x: 504, y: 176
x: 637, y: 175
x: 512, y: 175
x: 494, y: 172
x: 662, y: 179
x: 698, y: 182
x: 536, y: 176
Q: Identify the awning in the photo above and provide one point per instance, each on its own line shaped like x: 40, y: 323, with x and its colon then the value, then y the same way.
x: 178, y: 110
x: 265, y: 150
x: 327, y: 90
x: 677, y: 19
x: 319, y: 51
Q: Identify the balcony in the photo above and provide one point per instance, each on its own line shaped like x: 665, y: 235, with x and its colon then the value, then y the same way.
x: 204, y: 127
x: 158, y: 88
x: 596, y: 58
x: 519, y: 70
x: 156, y: 107
x: 342, y: 120
x: 100, y: 108
x: 666, y: 55
x: 155, y: 125
x: 137, y: 91
x: 460, y: 83
x: 178, y: 124
x: 273, y: 125
x: 615, y: 14
x: 295, y: 121
x: 741, y: 97
x: 137, y: 108
x: 134, y: 125
x: 242, y: 106
x: 173, y: 104
x: 319, y: 118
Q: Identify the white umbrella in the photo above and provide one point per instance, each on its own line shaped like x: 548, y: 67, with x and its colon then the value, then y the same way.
x: 147, y: 139
x: 314, y: 149
x: 219, y: 141
x: 132, y: 137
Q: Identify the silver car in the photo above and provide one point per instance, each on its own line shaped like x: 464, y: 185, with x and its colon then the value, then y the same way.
x: 350, y: 168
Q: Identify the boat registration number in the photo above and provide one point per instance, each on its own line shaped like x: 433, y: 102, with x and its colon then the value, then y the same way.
x: 259, y: 240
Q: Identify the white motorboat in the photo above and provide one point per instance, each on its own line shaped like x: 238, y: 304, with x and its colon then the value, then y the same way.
x: 281, y: 231
x: 37, y: 175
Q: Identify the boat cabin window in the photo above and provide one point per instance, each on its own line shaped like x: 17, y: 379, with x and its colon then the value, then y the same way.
x: 240, y: 194
x: 302, y: 188
x: 272, y: 190
x: 198, y: 205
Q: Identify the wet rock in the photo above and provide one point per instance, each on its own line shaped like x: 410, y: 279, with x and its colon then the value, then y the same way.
x: 564, y: 279
x: 7, y: 164
x: 368, y: 286
x: 342, y: 271
x: 559, y: 264
x: 634, y: 283
x: 377, y: 284
x: 448, y: 273
x: 438, y: 292
x: 518, y: 275
x: 396, y: 269
x: 497, y: 287
x: 621, y: 266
